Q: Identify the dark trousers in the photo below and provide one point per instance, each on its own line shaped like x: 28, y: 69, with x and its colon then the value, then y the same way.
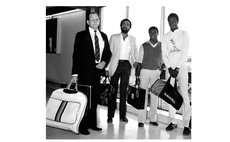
x: 123, y: 73
x: 90, y: 118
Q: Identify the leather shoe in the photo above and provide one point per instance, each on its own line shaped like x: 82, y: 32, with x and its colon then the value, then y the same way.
x: 84, y: 132
x: 124, y: 119
x: 140, y: 124
x: 110, y: 120
x: 96, y: 128
x: 186, y: 131
x: 171, y: 126
x: 154, y: 123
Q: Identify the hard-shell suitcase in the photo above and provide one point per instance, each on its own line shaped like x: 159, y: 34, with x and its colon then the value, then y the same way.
x: 66, y: 108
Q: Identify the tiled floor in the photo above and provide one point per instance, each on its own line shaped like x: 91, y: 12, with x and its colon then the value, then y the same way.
x: 118, y: 130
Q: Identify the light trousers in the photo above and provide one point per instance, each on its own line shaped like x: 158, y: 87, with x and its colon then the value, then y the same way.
x: 183, y: 89
x: 148, y: 77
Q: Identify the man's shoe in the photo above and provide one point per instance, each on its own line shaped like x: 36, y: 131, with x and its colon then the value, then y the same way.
x: 124, y: 119
x: 154, y: 123
x: 171, y: 126
x: 96, y: 129
x: 140, y: 124
x: 84, y: 132
x: 110, y: 120
x: 186, y: 131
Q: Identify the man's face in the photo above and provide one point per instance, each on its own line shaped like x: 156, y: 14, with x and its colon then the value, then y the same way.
x: 153, y: 34
x: 173, y: 23
x: 93, y: 21
x: 125, y: 26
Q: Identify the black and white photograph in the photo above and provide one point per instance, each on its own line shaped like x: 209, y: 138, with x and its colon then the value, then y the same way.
x: 102, y: 75
x: 115, y: 70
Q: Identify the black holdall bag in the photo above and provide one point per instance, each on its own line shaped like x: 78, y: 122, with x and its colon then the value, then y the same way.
x: 167, y: 92
x: 136, y: 96
x: 105, y: 90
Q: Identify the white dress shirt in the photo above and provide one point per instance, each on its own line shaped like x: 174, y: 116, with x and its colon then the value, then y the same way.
x: 125, y: 48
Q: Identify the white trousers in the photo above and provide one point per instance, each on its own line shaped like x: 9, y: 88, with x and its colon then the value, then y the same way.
x: 183, y: 89
x: 148, y: 77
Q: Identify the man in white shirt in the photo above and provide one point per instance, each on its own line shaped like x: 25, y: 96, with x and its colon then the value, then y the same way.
x: 175, y: 46
x: 124, y: 52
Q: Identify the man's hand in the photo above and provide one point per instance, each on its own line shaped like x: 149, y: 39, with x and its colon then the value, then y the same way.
x: 74, y: 79
x: 138, y: 81
x: 176, y: 72
x: 135, y: 64
x: 138, y: 69
x: 170, y: 71
x: 101, y: 65
x: 162, y: 67
x: 173, y: 73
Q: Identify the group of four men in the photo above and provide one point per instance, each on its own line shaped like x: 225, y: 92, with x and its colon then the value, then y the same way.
x: 93, y: 52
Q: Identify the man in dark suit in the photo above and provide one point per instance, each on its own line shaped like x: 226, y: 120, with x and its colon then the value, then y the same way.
x: 90, y: 57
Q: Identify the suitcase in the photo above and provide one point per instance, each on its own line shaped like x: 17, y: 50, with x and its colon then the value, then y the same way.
x: 136, y: 97
x: 66, y: 108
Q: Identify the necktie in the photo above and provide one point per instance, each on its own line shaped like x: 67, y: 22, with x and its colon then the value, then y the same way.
x: 97, y: 49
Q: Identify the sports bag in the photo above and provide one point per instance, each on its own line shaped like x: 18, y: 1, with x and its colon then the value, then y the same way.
x: 167, y: 92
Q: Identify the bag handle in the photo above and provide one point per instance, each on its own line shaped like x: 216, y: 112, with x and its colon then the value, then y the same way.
x: 175, y: 83
x: 73, y: 81
x: 105, y: 80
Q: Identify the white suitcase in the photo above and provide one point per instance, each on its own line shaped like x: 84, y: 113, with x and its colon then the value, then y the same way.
x: 65, y: 108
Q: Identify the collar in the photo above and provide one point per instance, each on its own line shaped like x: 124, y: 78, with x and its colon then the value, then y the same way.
x: 175, y: 31
x: 92, y: 30
x: 122, y: 35
x: 152, y: 44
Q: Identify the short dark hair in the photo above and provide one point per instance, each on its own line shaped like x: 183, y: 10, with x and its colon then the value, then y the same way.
x: 126, y: 20
x: 173, y: 15
x: 92, y: 13
x: 153, y: 28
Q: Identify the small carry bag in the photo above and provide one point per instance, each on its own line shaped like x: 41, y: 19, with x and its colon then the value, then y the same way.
x: 66, y: 108
x: 167, y: 92
x: 136, y: 96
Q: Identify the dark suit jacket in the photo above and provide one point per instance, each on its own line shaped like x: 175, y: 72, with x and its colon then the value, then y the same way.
x: 83, y: 57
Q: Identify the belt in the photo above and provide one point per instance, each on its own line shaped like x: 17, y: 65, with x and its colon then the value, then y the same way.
x: 122, y: 61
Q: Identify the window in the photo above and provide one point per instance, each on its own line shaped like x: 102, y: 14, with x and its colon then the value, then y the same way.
x: 142, y: 19
x: 110, y: 19
x: 51, y: 35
